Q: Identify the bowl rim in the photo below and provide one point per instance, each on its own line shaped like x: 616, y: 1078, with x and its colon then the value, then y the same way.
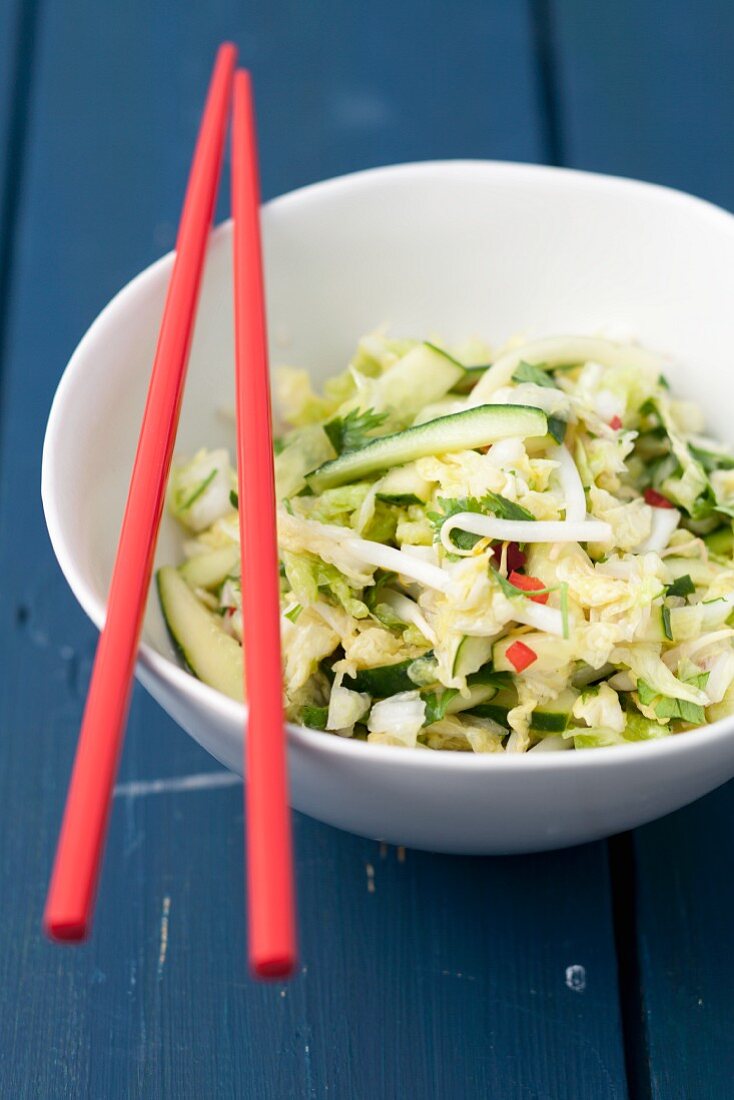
x: 156, y: 665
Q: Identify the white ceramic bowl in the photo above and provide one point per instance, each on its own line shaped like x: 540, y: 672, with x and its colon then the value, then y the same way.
x: 451, y: 248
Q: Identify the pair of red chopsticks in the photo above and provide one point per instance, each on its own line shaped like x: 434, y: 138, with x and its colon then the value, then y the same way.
x: 270, y: 879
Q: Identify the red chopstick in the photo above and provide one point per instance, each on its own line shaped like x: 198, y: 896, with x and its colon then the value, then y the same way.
x: 269, y: 856
x: 79, y: 854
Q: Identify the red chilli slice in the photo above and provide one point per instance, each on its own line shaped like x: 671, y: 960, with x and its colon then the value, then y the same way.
x: 615, y: 423
x: 657, y: 500
x: 529, y: 584
x: 520, y: 656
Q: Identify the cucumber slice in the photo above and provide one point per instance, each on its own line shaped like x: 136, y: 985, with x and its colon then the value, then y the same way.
x: 479, y: 694
x: 422, y: 376
x: 497, y: 712
x: 213, y: 656
x: 554, y: 717
x: 388, y: 680
x: 463, y: 431
x: 403, y: 485
x: 683, y: 622
x: 212, y: 569
x: 471, y: 655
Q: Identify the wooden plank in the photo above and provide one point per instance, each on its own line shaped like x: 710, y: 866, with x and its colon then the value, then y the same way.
x: 17, y: 33
x: 422, y: 976
x: 646, y: 91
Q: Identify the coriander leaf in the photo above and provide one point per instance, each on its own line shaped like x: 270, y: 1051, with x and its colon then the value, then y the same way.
x: 490, y: 504
x: 682, y: 586
x: 508, y: 588
x: 234, y: 498
x: 436, y: 704
x: 529, y: 372
x: 667, y: 628
x: 511, y: 589
x: 351, y: 432
x: 504, y: 508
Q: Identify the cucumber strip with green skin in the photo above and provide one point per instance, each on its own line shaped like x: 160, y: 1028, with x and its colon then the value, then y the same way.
x: 472, y: 653
x: 403, y: 485
x: 212, y: 655
x: 211, y: 569
x: 462, y: 431
x: 495, y: 711
x: 554, y: 717
x: 479, y: 694
x: 549, y: 723
x: 424, y: 375
x: 487, y: 675
x: 386, y: 680
x: 403, y: 501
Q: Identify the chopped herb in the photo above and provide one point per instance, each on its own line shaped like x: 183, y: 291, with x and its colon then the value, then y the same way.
x: 508, y: 589
x: 351, y: 432
x: 663, y: 381
x: 436, y: 704
x: 200, y: 488
x: 504, y: 508
x: 682, y: 586
x: 315, y: 717
x: 513, y: 590
x: 278, y: 445
x: 529, y: 372
x: 557, y: 428
x: 667, y: 629
x: 234, y: 498
x: 490, y: 504
x: 294, y: 613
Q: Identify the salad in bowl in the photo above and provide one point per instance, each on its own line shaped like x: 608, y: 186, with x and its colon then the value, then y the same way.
x: 522, y: 549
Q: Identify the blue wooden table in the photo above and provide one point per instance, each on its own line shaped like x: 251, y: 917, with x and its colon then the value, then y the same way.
x: 602, y: 972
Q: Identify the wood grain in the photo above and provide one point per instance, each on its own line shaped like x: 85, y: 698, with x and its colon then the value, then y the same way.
x: 647, y: 90
x: 422, y: 976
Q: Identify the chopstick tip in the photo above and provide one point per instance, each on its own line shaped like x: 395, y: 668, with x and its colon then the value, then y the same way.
x: 65, y: 930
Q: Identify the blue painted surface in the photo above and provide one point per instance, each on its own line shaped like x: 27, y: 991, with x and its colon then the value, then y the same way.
x: 422, y: 976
